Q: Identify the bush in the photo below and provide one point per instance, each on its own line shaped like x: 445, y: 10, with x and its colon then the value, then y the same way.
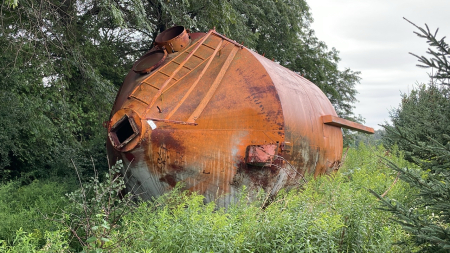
x: 95, y: 211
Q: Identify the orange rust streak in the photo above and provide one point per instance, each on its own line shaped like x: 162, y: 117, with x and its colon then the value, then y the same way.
x: 214, y: 86
x: 340, y: 122
x: 176, y: 71
x: 196, y: 81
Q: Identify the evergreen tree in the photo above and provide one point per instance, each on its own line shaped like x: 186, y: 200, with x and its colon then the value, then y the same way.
x: 424, y: 113
x: 427, y: 219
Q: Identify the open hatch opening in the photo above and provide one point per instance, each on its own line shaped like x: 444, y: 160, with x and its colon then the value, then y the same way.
x: 123, y: 131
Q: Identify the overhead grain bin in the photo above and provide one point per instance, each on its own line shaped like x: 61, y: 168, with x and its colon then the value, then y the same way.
x: 204, y: 110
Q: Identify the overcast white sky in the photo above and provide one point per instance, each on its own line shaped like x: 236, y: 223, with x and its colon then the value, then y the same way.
x: 373, y: 38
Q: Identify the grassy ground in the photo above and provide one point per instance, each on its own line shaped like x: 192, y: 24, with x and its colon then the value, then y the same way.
x: 333, y: 213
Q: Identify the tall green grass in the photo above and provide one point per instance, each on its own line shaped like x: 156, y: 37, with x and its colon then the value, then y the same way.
x: 31, y: 207
x: 334, y: 213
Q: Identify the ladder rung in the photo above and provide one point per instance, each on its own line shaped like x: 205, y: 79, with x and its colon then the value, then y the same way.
x: 138, y: 99
x: 209, y: 46
x: 198, y: 57
x: 151, y: 85
x: 180, y: 63
x: 194, y: 48
x: 167, y: 75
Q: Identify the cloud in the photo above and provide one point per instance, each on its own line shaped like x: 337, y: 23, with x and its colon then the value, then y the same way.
x: 373, y: 38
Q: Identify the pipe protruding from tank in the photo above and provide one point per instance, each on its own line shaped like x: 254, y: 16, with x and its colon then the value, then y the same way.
x: 174, y: 39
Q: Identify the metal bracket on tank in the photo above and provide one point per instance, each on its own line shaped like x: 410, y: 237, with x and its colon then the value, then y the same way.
x: 173, y: 121
x: 340, y: 122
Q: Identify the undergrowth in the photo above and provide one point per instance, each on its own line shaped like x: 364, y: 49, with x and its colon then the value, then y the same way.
x: 23, y: 207
x: 334, y: 213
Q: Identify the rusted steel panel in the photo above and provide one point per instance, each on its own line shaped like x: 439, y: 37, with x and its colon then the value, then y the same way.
x: 340, y: 122
x: 216, y: 116
x: 213, y: 88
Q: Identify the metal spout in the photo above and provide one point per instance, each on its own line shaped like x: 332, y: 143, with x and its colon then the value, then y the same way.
x: 174, y: 39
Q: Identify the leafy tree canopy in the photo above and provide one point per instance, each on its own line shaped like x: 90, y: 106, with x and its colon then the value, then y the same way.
x: 62, y: 62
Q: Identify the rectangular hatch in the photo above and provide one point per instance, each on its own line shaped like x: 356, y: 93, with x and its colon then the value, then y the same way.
x: 123, y: 131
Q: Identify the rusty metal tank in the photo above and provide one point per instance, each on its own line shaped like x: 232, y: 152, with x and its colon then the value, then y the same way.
x: 203, y: 110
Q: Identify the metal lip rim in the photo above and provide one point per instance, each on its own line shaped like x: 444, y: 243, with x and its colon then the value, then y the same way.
x: 176, y: 43
x: 158, y: 39
x: 154, y: 66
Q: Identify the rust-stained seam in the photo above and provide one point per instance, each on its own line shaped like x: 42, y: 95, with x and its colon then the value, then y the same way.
x: 196, y: 81
x: 268, y: 137
x: 176, y: 71
x: 307, y: 93
x: 213, y: 87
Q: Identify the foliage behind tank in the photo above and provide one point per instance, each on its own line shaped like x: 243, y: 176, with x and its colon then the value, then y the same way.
x: 206, y: 111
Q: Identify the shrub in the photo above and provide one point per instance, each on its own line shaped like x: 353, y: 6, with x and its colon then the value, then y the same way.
x: 95, y: 211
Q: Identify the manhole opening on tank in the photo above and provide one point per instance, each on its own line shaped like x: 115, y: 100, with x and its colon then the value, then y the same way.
x: 123, y: 131
x: 170, y: 33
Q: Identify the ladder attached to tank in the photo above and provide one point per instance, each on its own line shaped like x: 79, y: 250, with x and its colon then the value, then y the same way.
x: 169, y: 75
x: 163, y: 79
